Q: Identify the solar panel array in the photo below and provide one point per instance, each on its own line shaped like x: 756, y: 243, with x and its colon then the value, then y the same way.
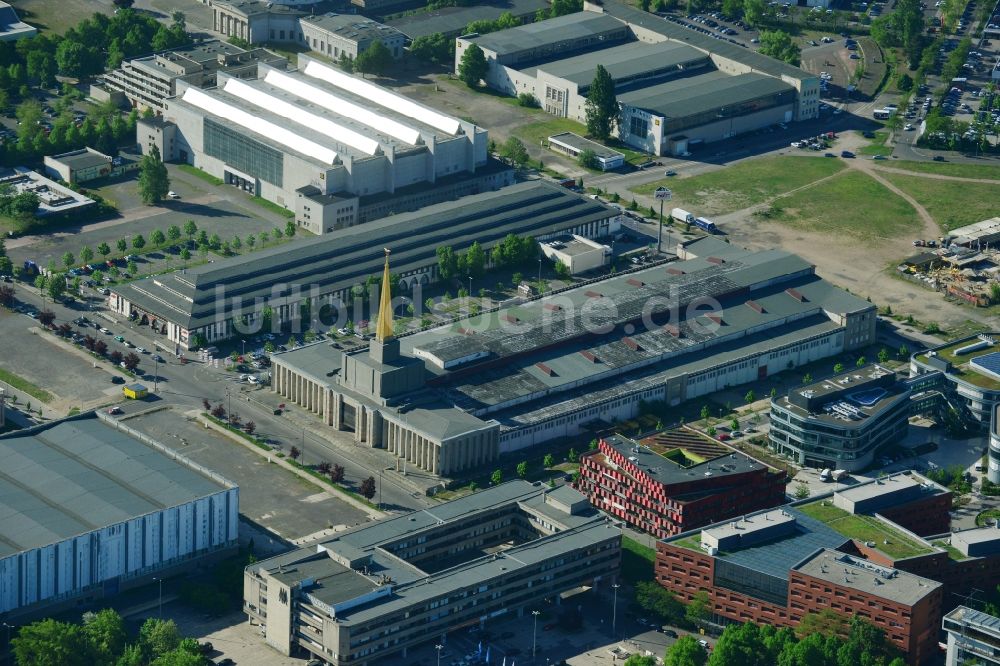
x: 987, y: 363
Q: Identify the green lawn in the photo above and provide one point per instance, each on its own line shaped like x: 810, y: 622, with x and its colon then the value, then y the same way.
x: 746, y: 184
x: 22, y: 384
x: 273, y: 207
x: 534, y: 134
x: 950, y: 169
x: 951, y: 203
x: 953, y: 553
x: 637, y: 561
x: 692, y: 542
x: 877, y: 145
x: 843, y: 206
x: 198, y: 173
x: 890, y: 541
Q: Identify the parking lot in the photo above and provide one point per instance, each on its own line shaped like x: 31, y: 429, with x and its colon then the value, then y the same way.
x: 38, y: 358
x: 216, y: 209
x: 269, y: 495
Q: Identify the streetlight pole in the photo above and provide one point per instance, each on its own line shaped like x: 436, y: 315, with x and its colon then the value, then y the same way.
x: 156, y: 373
x: 470, y: 288
x: 534, y: 633
x: 539, y: 273
x: 439, y: 648
x: 614, y: 613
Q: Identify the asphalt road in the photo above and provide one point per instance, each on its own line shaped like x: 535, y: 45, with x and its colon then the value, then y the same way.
x: 186, y: 386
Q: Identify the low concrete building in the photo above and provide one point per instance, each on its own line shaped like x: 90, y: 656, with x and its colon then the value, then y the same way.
x: 677, y: 89
x: 337, y: 35
x: 576, y: 253
x: 87, y: 164
x: 53, y: 198
x: 372, y: 593
x: 573, y: 145
x: 965, y: 371
x: 12, y: 27
x: 146, y: 82
x: 92, y: 508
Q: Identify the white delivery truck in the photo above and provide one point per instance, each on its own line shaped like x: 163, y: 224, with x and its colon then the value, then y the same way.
x: 682, y: 216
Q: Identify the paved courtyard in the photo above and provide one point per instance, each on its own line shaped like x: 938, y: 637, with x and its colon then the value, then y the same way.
x: 270, y: 496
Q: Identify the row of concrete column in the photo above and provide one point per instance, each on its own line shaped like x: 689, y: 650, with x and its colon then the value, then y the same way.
x: 303, y: 392
x: 230, y: 25
x: 413, y: 448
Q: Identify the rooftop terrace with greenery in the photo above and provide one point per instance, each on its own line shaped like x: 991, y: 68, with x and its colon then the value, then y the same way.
x: 960, y: 363
x: 888, y: 540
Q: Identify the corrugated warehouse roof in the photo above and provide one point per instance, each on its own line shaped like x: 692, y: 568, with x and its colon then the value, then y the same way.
x: 75, y: 476
x: 623, y: 62
x: 560, y: 29
x: 452, y: 21
x: 345, y: 258
x: 694, y: 95
x: 721, y: 47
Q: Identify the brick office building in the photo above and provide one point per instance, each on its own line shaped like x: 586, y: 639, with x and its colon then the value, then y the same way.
x: 839, y: 551
x: 676, y: 481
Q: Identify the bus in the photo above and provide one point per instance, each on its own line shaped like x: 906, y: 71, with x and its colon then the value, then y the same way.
x: 882, y: 114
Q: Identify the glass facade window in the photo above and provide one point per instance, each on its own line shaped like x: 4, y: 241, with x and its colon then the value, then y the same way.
x: 735, y: 110
x: 638, y: 126
x: 241, y: 152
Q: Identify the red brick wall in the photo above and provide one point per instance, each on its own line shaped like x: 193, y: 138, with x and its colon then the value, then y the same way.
x: 630, y: 494
x: 926, y: 516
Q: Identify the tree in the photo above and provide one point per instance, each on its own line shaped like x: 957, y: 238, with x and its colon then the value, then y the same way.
x: 376, y: 59
x: 367, y: 488
x: 51, y: 643
x: 904, y: 82
x: 115, y: 357
x: 883, y: 355
x: 436, y: 48
x: 104, y: 250
x: 158, y: 637
x: 154, y: 183
x: 514, y: 152
x: 522, y: 469
x: 838, y: 368
x: 46, y: 317
x: 289, y: 229
x: 699, y: 608
x: 294, y: 453
x: 572, y: 456
x: 186, y: 254
x: 131, y: 361
x: 6, y: 295
x: 68, y: 259
x: 138, y: 242
x: 55, y: 286
x: 105, y: 632
x: 705, y: 412
x: 588, y: 159
x: 826, y: 622
x: 807, y: 378
x: 687, y: 651
x: 640, y: 660
x: 861, y: 362
x: 903, y: 352
x: 496, y: 478
x: 754, y: 11
x: 602, y: 108
x: 778, y: 44
x: 651, y: 596
x: 121, y: 244
x: 473, y: 66
x: 157, y: 238
x: 732, y: 9
x: 337, y: 473
x: 801, y: 491
x: 190, y: 229
x: 548, y: 461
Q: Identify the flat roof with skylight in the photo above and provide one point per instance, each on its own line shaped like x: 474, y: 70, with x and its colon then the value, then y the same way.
x: 867, y: 577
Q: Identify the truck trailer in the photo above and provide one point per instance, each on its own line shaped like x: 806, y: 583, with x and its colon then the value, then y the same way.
x: 682, y: 215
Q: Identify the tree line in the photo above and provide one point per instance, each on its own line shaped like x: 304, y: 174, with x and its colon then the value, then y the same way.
x: 102, y: 639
